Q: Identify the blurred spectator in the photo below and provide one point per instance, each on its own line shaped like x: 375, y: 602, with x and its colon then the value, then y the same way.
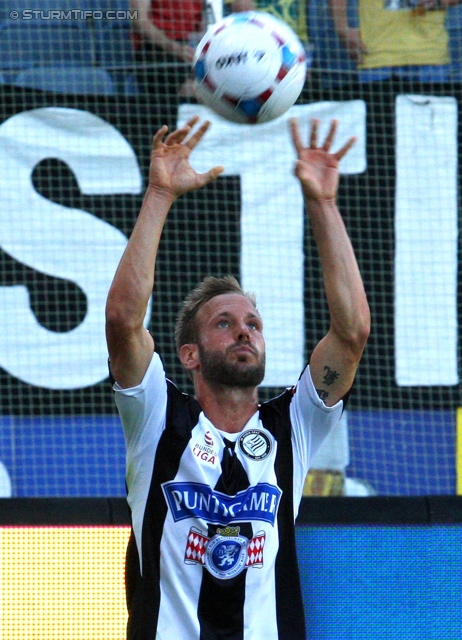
x: 331, y: 65
x: 396, y: 38
x: 164, y: 47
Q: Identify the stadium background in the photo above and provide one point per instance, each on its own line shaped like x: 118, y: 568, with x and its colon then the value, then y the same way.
x: 73, y: 166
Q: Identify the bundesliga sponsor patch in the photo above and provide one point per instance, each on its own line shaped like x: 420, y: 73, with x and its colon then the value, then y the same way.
x: 227, y: 553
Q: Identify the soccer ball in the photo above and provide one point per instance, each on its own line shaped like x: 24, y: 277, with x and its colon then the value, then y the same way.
x: 249, y: 67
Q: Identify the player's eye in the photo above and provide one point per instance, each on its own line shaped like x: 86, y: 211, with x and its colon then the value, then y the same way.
x: 223, y: 324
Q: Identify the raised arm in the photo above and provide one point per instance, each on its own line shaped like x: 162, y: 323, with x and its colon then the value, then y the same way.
x: 170, y: 176
x: 336, y: 357
x: 350, y: 37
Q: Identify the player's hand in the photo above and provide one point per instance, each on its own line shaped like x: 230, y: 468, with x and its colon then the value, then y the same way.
x: 316, y: 167
x: 170, y: 170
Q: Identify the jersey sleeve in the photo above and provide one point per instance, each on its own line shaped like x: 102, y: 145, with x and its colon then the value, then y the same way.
x: 142, y: 411
x: 311, y: 421
x: 146, y: 400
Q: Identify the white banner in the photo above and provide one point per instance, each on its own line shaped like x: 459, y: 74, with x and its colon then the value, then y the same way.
x: 61, y: 242
x: 426, y: 235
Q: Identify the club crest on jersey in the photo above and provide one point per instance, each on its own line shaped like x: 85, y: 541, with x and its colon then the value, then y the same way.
x: 227, y: 553
x: 255, y: 444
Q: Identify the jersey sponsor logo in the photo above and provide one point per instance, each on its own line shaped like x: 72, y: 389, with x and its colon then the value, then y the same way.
x: 197, y: 500
x: 227, y: 553
x: 255, y: 444
x: 204, y: 450
x: 205, y: 453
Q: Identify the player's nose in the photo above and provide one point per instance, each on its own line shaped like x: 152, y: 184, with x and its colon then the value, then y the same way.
x: 242, y: 331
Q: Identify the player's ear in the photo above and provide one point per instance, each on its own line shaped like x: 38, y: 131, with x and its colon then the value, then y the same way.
x: 189, y: 356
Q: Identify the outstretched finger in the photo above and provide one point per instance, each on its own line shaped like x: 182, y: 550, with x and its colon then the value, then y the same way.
x: 330, y: 136
x: 178, y: 136
x: 198, y: 135
x: 158, y: 137
x: 211, y: 175
x: 296, y: 137
x: 346, y: 147
x: 193, y: 120
x: 314, y: 133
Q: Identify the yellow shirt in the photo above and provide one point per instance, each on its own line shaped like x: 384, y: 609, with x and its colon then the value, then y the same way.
x: 402, y: 37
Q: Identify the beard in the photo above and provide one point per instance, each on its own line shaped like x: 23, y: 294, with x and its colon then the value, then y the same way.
x: 216, y: 369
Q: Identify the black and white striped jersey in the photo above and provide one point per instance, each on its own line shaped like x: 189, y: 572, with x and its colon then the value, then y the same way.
x: 212, y: 552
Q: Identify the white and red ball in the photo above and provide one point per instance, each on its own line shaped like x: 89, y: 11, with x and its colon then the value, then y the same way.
x: 249, y: 67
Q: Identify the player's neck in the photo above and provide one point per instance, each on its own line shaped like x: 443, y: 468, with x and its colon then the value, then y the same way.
x: 228, y: 408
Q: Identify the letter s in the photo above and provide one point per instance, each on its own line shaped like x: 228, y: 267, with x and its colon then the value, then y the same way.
x: 68, y: 243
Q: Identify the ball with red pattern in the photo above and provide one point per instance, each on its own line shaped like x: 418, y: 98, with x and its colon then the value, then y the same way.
x: 249, y: 68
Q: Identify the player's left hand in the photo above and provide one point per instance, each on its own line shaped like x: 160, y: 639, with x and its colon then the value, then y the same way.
x: 316, y: 167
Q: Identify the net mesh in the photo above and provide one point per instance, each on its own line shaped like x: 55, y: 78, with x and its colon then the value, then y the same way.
x: 79, y: 103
